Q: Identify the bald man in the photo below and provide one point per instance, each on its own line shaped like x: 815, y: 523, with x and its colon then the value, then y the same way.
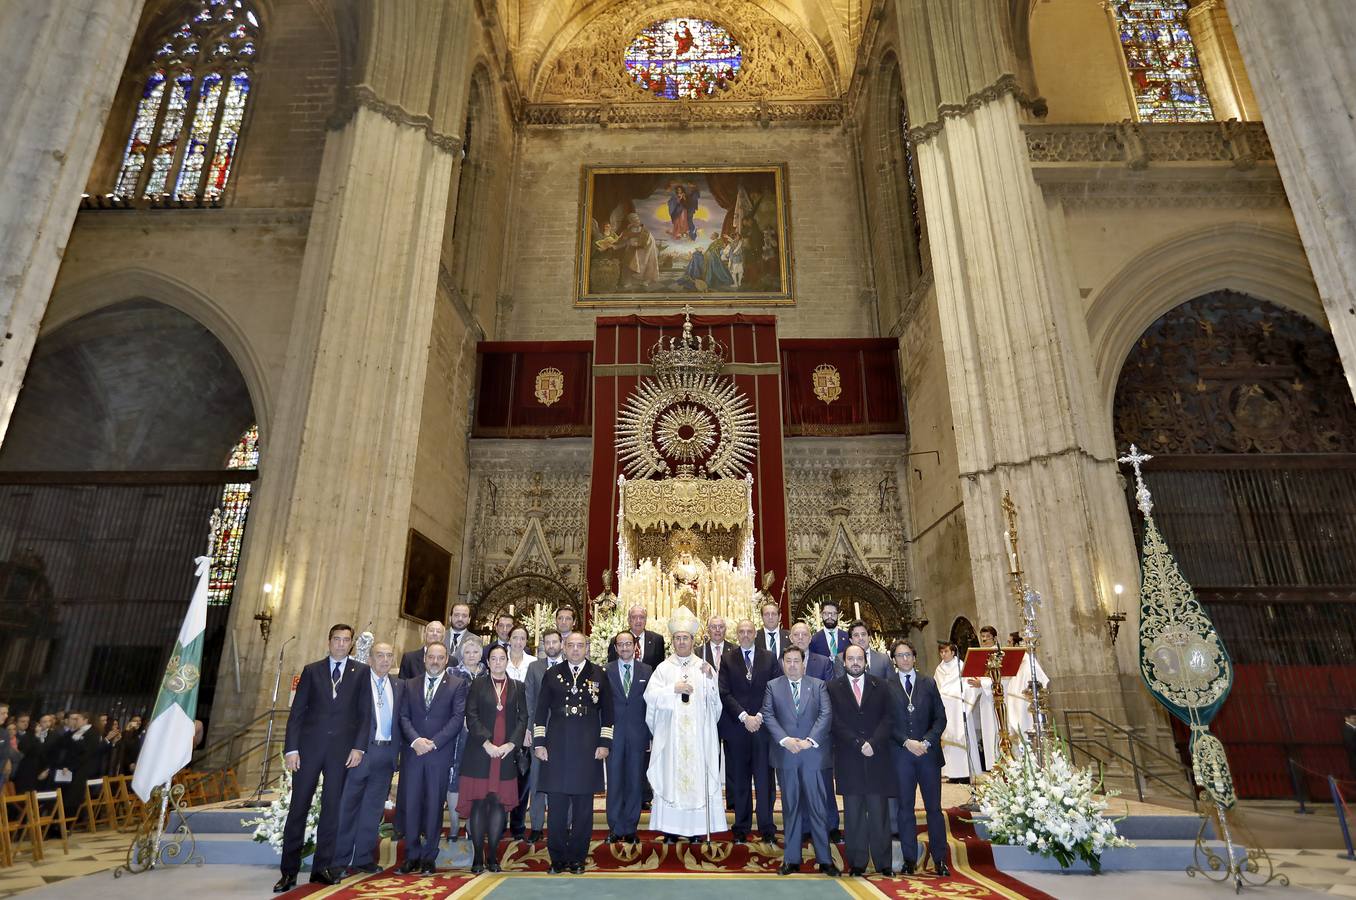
x: 369, y: 783
x: 649, y: 644
x: 412, y: 663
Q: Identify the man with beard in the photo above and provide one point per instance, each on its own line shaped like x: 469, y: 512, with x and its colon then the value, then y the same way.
x: 862, y: 764
x: 830, y: 640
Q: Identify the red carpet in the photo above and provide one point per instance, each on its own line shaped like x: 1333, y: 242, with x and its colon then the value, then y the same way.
x: 973, y: 872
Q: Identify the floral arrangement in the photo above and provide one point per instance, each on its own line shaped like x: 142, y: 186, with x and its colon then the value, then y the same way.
x: 269, y: 827
x: 542, y: 617
x: 605, y: 620
x: 1053, y: 811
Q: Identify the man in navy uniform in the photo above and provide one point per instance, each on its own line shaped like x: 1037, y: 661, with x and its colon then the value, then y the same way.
x: 369, y: 784
x: 326, y: 734
x: 431, y: 707
x: 917, y: 722
x: 626, y: 677
x: 571, y: 736
x: 744, y: 675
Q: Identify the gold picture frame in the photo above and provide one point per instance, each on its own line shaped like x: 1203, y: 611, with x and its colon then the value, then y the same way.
x: 427, y: 585
x: 666, y: 236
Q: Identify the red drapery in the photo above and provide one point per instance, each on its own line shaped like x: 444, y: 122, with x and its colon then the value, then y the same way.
x: 871, y: 399
x: 621, y: 358
x: 506, y: 392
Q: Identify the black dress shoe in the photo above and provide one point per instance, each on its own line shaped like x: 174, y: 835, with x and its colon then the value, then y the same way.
x: 556, y: 870
x: 768, y: 837
x: 518, y: 836
x: 493, y: 867
x: 429, y: 867
x: 670, y: 838
x: 857, y: 873
x: 829, y: 869
x: 477, y: 868
x: 369, y: 869
x: 943, y: 870
x: 534, y: 837
x: 613, y: 838
x: 740, y: 837
x: 908, y: 867
x: 835, y: 836
x: 577, y: 869
x: 284, y: 884
x: 887, y: 873
x: 408, y: 867
x: 632, y: 839
x: 324, y: 876
x: 788, y: 869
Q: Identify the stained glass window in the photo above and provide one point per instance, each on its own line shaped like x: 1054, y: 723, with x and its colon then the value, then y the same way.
x: 235, y: 506
x: 684, y: 59
x: 1161, y: 56
x: 187, y: 124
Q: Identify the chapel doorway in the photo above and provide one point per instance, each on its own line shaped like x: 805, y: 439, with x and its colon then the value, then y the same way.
x: 1247, y: 412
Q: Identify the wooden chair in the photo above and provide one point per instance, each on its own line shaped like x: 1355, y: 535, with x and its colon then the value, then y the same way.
x: 230, y: 785
x: 55, y: 818
x: 98, y: 808
x: 119, y: 799
x: 19, y: 822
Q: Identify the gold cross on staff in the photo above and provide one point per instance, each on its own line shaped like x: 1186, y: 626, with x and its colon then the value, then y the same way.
x: 1010, y: 535
x: 1136, y: 460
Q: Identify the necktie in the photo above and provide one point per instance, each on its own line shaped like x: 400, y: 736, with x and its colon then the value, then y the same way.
x: 384, y: 720
x: 431, y: 683
x: 626, y: 679
x: 335, y: 676
x: 456, y: 639
x: 833, y: 643
x: 795, y: 694
x: 748, y: 659
x: 857, y: 689
x: 908, y: 682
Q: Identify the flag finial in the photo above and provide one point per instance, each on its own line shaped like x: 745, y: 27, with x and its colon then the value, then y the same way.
x: 1136, y: 460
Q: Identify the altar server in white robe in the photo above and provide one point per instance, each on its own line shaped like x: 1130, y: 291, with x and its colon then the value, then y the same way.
x: 683, y: 706
x: 1017, y: 693
x: 955, y: 761
x: 982, y: 723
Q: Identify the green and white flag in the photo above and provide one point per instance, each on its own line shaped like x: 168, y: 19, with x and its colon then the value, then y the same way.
x: 169, y: 739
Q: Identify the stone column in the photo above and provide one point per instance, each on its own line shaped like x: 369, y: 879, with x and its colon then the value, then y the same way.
x: 59, y: 65
x: 1304, y: 73
x: 1018, y: 363
x: 1226, y: 79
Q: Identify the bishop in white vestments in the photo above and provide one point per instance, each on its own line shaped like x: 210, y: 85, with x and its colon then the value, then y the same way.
x: 955, y: 756
x: 682, y: 706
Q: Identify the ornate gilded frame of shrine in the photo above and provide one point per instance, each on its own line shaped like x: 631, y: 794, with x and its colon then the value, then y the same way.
x: 673, y: 235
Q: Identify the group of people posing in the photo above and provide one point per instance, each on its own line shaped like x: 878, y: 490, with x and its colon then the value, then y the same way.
x: 505, y: 740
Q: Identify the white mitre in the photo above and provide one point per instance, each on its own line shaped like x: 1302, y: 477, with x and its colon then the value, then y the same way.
x: 683, y: 620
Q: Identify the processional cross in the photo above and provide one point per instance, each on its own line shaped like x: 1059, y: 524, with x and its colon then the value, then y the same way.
x: 1136, y: 460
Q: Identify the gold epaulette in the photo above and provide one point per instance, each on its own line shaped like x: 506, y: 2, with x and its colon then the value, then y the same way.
x: 539, y: 731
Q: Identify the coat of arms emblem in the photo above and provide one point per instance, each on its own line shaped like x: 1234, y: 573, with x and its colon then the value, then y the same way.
x: 550, y: 385
x: 828, y: 385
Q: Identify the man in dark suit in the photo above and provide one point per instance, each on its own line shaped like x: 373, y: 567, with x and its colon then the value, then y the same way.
x: 821, y: 667
x: 571, y: 736
x: 33, y: 743
x: 503, y: 628
x: 772, y: 637
x: 550, y: 646
x: 1348, y: 739
x: 75, y: 760
x: 326, y: 734
x: 712, y: 650
x: 862, y: 765
x: 877, y: 663
x: 798, y: 718
x: 626, y: 678
x: 744, y: 676
x: 649, y: 644
x: 432, y: 711
x: 917, y: 720
x: 830, y: 640
x: 412, y: 663
x: 369, y: 783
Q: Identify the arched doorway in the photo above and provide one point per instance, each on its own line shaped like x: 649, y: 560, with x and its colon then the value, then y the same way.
x: 858, y: 596
x: 1246, y: 409
x: 963, y: 635
x: 120, y: 447
x: 518, y: 594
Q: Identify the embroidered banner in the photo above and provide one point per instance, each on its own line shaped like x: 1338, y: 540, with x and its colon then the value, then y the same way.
x: 533, y: 389
x: 838, y: 386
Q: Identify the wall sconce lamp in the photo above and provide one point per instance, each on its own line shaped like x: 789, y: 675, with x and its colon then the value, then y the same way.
x: 1114, y: 620
x: 265, y: 616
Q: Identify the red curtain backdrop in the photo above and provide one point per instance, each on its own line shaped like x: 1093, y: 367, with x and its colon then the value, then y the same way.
x: 872, y: 400
x: 506, y: 401
x: 621, y: 357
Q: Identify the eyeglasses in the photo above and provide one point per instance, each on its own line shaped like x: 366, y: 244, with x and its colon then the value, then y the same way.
x: 904, y: 655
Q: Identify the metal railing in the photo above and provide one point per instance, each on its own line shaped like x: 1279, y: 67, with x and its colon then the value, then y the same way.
x: 231, y: 751
x: 1137, y: 754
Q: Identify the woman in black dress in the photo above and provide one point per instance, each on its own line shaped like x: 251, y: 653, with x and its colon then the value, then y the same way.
x: 496, y: 720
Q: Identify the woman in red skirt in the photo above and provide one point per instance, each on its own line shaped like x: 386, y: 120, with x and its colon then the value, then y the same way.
x: 496, y: 720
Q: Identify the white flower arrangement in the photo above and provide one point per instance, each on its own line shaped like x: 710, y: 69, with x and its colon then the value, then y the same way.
x: 269, y: 827
x: 1053, y: 811
x: 606, y: 624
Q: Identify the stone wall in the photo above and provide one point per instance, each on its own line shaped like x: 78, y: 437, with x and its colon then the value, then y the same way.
x: 832, y: 282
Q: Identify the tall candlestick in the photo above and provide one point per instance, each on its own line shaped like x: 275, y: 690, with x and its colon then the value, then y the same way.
x: 856, y: 611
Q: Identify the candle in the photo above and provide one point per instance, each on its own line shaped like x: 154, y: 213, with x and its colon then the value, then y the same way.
x: 510, y: 609
x: 1012, y: 563
x: 856, y: 611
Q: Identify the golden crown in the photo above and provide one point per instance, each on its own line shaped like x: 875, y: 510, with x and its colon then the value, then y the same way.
x: 689, y: 353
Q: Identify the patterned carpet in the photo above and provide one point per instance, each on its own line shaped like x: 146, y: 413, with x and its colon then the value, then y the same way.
x: 725, y: 868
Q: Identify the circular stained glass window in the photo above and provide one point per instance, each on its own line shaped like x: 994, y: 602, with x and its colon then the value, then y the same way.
x: 684, y: 59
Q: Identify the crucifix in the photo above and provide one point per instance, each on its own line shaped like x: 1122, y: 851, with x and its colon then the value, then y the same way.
x: 1136, y: 460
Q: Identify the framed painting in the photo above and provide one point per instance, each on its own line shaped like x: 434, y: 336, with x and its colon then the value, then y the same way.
x: 704, y: 235
x: 428, y: 578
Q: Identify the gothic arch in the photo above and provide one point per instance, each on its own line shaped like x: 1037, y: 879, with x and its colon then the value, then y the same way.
x: 72, y: 302
x: 522, y: 591
x: 1253, y: 259
x: 881, y: 607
